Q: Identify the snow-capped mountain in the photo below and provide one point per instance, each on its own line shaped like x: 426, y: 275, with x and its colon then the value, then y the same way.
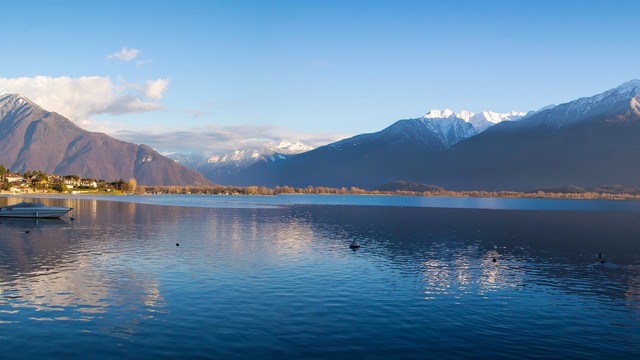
x: 587, y: 142
x: 246, y: 157
x: 480, y: 121
x: 238, y: 158
x: 241, y: 157
x: 615, y: 104
x: 289, y: 147
x: 438, y: 128
x: 444, y: 132
x: 394, y: 150
x: 218, y: 165
x: 190, y: 160
x: 434, y: 134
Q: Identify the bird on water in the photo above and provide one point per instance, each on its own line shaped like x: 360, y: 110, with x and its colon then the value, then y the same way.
x: 354, y: 244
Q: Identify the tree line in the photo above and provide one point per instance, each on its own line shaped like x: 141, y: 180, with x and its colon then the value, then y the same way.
x: 278, y: 190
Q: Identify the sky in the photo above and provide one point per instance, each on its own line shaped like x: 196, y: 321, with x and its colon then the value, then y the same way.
x: 208, y: 76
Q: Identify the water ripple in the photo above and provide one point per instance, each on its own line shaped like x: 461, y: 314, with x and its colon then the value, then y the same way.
x: 141, y: 281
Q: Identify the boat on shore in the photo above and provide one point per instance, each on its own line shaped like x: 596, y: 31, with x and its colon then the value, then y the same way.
x: 33, y: 210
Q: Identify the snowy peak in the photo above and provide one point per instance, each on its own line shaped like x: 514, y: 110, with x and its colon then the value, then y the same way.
x: 494, y: 117
x: 289, y: 147
x: 236, y: 157
x: 246, y: 157
x: 624, y: 92
x: 631, y: 87
x: 14, y: 105
x: 441, y: 114
x: 616, y: 104
x: 440, y: 128
x: 9, y: 100
x: 480, y: 121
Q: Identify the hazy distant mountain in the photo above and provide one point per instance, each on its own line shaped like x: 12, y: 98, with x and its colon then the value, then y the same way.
x: 246, y: 157
x: 220, y: 166
x: 35, y: 139
x: 587, y: 142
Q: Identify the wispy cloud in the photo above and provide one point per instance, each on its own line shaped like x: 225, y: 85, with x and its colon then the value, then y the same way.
x: 81, y: 98
x: 140, y: 63
x: 124, y: 54
x: 197, y: 114
x: 217, y: 139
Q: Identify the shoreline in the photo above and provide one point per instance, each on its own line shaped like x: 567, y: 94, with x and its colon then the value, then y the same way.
x: 274, y: 202
x: 446, y: 194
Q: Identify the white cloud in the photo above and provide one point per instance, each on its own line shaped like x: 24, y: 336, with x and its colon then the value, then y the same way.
x: 215, y: 139
x: 125, y: 54
x: 81, y: 98
x: 155, y: 88
x: 140, y: 63
x: 152, y: 89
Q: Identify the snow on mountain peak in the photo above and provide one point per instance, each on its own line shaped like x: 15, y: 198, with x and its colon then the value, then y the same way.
x: 290, y: 147
x: 249, y: 156
x: 577, y: 109
x: 3, y: 91
x: 480, y: 121
x: 631, y: 86
x: 439, y: 114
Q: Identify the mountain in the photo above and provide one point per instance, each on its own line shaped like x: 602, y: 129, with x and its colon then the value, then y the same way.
x: 481, y: 121
x: 587, y: 142
x: 190, y: 160
x: 220, y: 167
x: 35, y: 139
x: 369, y: 160
x: 246, y: 157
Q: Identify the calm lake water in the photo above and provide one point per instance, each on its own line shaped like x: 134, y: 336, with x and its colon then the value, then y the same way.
x: 274, y: 277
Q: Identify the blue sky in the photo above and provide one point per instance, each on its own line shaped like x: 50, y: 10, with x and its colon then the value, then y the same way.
x: 209, y: 76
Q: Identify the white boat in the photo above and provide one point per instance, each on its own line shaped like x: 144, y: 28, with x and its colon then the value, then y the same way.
x: 33, y: 210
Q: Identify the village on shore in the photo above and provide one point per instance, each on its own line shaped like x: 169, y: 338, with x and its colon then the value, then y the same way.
x: 38, y: 182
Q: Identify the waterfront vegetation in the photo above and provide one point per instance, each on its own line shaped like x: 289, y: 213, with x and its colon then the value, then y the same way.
x: 31, y: 182
x: 605, y: 194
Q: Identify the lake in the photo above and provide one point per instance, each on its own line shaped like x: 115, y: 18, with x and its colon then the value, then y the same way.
x: 273, y: 277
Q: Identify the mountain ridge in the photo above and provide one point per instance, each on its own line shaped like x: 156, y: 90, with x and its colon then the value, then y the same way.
x: 587, y: 142
x: 36, y: 139
x: 480, y: 121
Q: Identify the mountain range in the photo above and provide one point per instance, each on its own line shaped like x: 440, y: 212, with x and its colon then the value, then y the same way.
x: 36, y: 139
x: 587, y: 142
x: 436, y: 131
x: 223, y: 164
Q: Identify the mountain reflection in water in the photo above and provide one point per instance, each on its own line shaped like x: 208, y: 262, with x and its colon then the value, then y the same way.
x: 282, y: 282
